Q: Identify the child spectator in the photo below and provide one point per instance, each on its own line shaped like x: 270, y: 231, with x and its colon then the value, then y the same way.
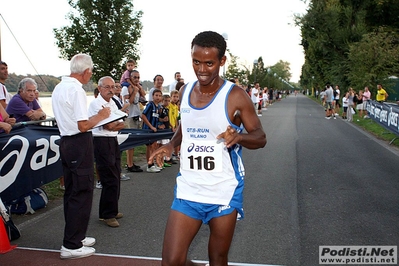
x: 150, y: 118
x: 164, y: 113
x: 173, y: 118
x: 125, y: 79
x: 165, y: 124
x: 345, y: 101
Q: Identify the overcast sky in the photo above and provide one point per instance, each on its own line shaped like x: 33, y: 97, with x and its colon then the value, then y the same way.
x: 254, y: 28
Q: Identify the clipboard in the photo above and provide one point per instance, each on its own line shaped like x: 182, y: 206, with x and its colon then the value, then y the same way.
x: 114, y: 116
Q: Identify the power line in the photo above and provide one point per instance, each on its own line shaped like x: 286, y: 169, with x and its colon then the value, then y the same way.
x: 37, y: 73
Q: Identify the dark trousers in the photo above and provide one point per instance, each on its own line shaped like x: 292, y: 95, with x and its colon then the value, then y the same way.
x: 78, y: 166
x: 108, y: 163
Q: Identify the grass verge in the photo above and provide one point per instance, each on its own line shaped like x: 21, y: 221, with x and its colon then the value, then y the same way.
x: 370, y: 126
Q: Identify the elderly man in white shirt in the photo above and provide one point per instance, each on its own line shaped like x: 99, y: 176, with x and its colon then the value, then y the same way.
x: 76, y: 149
x: 107, y: 153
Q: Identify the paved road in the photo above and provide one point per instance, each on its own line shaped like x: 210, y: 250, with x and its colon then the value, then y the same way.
x: 317, y: 182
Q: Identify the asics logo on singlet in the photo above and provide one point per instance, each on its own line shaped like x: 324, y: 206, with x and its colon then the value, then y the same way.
x: 185, y: 110
x: 197, y: 148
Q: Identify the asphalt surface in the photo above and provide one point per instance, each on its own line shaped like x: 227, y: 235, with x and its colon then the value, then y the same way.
x: 317, y: 182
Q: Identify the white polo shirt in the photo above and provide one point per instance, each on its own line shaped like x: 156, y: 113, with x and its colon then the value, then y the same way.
x: 96, y: 105
x: 69, y: 103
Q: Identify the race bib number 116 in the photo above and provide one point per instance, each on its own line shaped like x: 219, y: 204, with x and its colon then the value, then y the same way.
x: 202, y: 156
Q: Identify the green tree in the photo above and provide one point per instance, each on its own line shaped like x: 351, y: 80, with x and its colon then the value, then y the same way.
x: 374, y: 59
x: 327, y: 30
x: 332, y: 29
x: 108, y: 30
x: 234, y: 70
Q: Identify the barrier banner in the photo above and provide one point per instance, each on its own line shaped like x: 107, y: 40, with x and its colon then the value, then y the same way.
x: 30, y: 156
x: 385, y: 114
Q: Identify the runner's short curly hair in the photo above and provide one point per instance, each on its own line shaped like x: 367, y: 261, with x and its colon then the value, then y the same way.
x: 210, y: 39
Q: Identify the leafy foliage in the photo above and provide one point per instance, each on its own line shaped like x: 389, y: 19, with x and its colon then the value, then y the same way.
x: 108, y: 30
x: 375, y: 56
x: 338, y: 38
x: 234, y: 70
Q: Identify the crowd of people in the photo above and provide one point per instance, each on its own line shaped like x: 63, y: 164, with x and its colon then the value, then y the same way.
x: 86, y: 147
x: 351, y: 102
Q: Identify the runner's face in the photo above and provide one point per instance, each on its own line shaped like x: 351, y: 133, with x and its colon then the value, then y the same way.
x: 206, y: 64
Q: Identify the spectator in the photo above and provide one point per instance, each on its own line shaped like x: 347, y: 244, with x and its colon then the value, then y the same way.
x: 329, y: 95
x: 125, y: 79
x: 164, y: 123
x: 254, y: 95
x: 107, y: 153
x: 96, y: 92
x: 6, y: 122
x: 173, y: 120
x: 212, y: 194
x: 271, y: 96
x: 382, y: 95
x: 323, y: 98
x: 132, y: 96
x: 177, y: 78
x: 23, y: 105
x: 5, y: 96
x: 260, y: 101
x: 337, y: 95
x: 265, y: 99
x: 150, y: 118
x: 366, y: 97
x: 350, y: 110
x: 76, y: 149
x: 118, y: 99
x: 345, y: 101
x: 360, y: 105
x: 158, y: 82
x: 37, y: 94
x: 179, y: 85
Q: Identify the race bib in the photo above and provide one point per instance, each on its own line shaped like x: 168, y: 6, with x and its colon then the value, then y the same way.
x: 204, y: 156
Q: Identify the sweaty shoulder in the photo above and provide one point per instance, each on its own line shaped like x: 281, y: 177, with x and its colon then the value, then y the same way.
x: 238, y: 93
x: 238, y: 103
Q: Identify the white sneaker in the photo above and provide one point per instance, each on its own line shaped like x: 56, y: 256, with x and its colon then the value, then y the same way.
x: 88, y: 241
x: 98, y: 185
x: 124, y: 177
x: 259, y: 114
x: 157, y: 167
x: 82, y: 252
x: 153, y: 169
